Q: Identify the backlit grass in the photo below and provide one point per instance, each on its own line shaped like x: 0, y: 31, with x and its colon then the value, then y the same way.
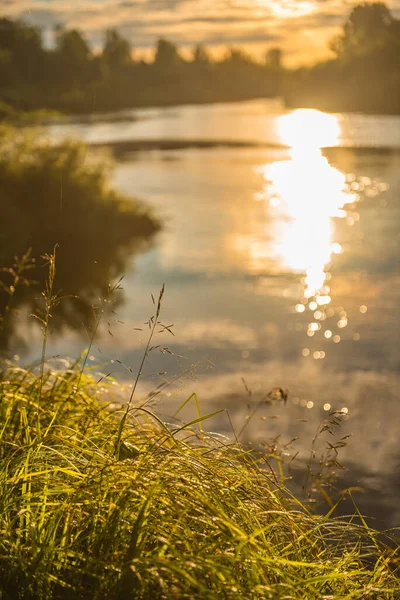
x: 170, y: 513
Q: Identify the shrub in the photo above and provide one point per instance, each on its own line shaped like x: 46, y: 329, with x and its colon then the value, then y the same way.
x: 59, y: 195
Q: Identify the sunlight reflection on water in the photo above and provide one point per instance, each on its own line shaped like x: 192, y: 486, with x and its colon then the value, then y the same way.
x: 304, y: 195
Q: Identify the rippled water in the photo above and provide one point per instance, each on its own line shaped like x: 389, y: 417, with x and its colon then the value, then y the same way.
x: 281, y: 267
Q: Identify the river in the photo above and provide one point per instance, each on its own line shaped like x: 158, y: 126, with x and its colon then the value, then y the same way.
x: 280, y: 261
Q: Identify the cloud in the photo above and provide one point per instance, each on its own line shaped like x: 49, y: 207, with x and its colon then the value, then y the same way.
x: 251, y: 23
x: 40, y: 18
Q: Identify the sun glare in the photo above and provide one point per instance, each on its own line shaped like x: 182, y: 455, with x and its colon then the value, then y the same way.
x: 289, y: 8
x: 305, y: 194
x: 308, y: 129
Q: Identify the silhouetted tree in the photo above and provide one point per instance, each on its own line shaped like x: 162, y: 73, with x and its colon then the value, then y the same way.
x: 117, y: 53
x: 201, y: 56
x: 366, y: 30
x: 365, y: 74
x: 167, y: 60
x: 23, y: 63
x: 71, y: 60
x: 168, y: 73
x: 274, y: 58
x: 21, y: 49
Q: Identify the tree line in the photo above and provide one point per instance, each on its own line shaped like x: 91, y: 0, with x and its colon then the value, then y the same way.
x: 364, y: 73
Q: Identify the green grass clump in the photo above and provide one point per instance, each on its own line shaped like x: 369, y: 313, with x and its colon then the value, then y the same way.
x: 62, y: 196
x: 179, y: 514
x: 9, y: 114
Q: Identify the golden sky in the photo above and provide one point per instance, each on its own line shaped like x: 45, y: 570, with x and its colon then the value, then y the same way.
x: 302, y: 28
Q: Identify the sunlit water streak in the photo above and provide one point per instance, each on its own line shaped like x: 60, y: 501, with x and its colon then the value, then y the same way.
x: 304, y: 195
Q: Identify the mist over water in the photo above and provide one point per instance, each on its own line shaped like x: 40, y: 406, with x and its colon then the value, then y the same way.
x: 281, y: 267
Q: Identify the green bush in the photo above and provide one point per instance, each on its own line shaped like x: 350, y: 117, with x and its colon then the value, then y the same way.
x: 59, y: 195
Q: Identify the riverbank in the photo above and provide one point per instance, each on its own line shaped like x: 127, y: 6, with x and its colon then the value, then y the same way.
x: 94, y: 506
x: 22, y: 118
x: 61, y: 197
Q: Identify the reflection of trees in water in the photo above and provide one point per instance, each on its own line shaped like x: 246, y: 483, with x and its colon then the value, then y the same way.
x: 52, y: 196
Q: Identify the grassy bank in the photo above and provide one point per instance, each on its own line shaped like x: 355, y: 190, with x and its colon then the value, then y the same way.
x: 14, y: 116
x: 61, y: 196
x: 157, y: 512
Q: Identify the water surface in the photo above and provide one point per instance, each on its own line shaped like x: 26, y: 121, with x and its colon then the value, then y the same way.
x: 281, y: 268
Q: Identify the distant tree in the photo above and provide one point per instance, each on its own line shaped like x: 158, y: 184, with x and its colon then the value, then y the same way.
x: 238, y: 57
x: 167, y: 58
x: 240, y: 76
x: 71, y: 58
x: 7, y: 74
x: 72, y: 46
x: 201, y: 56
x: 365, y: 74
x: 21, y: 50
x: 116, y: 87
x: 117, y: 51
x: 200, y: 75
x: 366, y: 30
x: 274, y: 58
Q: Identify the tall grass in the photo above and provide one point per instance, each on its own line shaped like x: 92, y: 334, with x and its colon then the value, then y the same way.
x: 179, y: 514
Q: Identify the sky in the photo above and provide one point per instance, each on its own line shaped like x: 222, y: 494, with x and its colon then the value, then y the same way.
x: 302, y: 28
